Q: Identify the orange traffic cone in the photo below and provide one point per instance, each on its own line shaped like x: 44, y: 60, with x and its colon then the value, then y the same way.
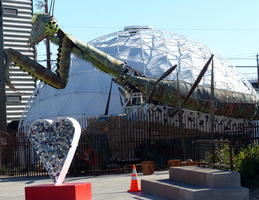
x: 134, y: 185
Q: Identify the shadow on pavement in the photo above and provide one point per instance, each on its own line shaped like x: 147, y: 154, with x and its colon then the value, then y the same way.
x: 27, y: 180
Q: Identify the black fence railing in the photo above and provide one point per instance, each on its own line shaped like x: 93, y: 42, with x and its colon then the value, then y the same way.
x: 19, y: 159
x: 112, y: 144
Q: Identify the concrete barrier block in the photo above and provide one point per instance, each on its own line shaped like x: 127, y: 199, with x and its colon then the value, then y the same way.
x: 172, y: 190
x: 204, y: 176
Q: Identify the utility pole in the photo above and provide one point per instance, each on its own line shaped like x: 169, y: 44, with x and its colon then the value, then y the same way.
x: 257, y: 61
x: 212, y: 110
x: 47, y: 41
x: 212, y: 98
x: 2, y: 75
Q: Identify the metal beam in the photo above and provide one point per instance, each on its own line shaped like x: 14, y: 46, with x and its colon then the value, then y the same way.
x: 164, y: 75
x: 2, y: 76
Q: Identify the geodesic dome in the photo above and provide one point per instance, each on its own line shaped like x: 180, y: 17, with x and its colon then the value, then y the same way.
x: 147, y: 50
x: 153, y: 51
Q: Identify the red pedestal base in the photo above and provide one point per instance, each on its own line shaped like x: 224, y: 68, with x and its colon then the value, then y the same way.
x: 67, y: 191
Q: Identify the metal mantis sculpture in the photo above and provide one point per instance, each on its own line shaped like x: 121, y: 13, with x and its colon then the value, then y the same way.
x: 226, y: 103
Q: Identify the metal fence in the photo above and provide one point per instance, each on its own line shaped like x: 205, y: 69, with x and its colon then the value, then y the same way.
x: 112, y: 144
x: 18, y: 158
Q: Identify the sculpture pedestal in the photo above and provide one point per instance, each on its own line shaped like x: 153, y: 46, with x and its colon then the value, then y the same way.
x: 67, y: 191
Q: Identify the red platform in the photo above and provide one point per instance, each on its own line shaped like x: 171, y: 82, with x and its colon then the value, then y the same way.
x: 67, y: 191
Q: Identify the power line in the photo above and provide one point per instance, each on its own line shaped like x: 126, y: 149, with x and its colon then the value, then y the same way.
x: 245, y: 66
x: 91, y: 27
x: 241, y: 58
x: 168, y: 28
x: 215, y: 29
x: 251, y: 54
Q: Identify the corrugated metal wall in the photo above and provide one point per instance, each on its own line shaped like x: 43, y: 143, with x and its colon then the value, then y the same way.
x: 17, y: 27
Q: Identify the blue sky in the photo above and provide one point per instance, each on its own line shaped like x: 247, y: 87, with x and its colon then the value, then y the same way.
x: 228, y: 27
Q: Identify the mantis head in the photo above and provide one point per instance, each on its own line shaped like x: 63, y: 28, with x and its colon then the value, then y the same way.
x: 44, y: 25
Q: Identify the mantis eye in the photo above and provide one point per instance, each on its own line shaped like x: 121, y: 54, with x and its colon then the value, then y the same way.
x: 51, y: 28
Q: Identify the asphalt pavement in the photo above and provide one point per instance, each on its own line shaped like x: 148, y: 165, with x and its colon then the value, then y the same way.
x: 106, y: 187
